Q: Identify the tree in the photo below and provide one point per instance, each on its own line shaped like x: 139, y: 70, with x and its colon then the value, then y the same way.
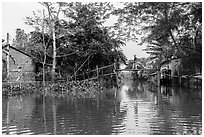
x: 167, y: 25
x: 21, y: 39
x: 78, y: 36
x: 50, y: 24
x: 53, y: 17
x: 90, y: 37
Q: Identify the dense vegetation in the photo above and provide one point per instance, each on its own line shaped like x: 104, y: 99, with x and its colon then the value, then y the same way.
x: 81, y: 41
x: 71, y: 37
x: 168, y: 29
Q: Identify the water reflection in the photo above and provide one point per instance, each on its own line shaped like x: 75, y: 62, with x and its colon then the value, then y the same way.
x: 139, y: 108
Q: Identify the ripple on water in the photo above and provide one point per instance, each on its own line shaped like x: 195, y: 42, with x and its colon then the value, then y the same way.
x: 136, y: 113
x: 14, y: 130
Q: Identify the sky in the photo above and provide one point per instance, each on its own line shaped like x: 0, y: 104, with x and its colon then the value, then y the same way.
x: 13, y: 17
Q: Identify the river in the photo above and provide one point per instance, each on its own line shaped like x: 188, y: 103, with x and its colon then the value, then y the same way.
x: 138, y: 108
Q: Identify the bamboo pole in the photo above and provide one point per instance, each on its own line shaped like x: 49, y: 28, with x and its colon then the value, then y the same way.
x: 103, y: 67
x: 158, y: 78
x: 75, y: 75
x: 116, y: 74
x: 8, y: 54
x: 159, y: 72
x: 97, y: 72
x: 45, y: 50
x: 54, y: 52
x: 80, y: 66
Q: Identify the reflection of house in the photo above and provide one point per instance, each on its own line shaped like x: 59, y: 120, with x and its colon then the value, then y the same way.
x: 171, y: 67
x: 21, y: 66
x: 17, y: 110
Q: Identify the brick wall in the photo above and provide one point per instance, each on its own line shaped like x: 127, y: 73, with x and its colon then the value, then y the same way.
x: 21, y: 66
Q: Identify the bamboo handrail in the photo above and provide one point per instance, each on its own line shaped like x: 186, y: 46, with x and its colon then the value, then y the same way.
x: 106, y: 66
x: 97, y: 69
x: 97, y: 77
x: 102, y: 67
x: 80, y: 66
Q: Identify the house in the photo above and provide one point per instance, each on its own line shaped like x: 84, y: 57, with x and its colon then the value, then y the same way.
x: 20, y: 67
x: 170, y: 67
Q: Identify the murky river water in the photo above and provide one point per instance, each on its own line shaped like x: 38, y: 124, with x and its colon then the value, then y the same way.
x: 137, y: 109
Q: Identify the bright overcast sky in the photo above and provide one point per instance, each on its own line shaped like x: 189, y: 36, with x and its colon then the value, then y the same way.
x: 13, y: 17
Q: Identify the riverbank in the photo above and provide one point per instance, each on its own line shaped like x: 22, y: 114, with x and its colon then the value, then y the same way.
x: 74, y: 89
x: 135, y: 110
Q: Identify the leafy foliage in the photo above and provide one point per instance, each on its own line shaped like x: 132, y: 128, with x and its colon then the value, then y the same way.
x: 21, y: 39
x: 79, y: 35
x: 169, y: 29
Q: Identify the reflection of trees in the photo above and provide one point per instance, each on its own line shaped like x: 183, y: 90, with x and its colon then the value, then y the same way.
x: 44, y: 115
x: 81, y: 116
x: 86, y: 118
x: 54, y: 116
x: 15, y: 111
x: 174, y: 107
x: 174, y: 110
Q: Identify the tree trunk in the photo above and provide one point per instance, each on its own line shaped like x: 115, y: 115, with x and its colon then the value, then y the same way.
x: 54, y: 53
x: 44, y: 61
x: 7, y: 57
x: 45, y: 52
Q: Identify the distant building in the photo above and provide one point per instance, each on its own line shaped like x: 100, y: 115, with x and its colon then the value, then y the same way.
x: 21, y: 66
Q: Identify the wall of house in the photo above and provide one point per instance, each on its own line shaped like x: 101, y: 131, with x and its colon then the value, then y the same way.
x: 173, y: 65
x: 21, y: 67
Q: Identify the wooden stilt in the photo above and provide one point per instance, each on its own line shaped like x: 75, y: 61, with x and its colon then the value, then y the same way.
x: 158, y: 78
